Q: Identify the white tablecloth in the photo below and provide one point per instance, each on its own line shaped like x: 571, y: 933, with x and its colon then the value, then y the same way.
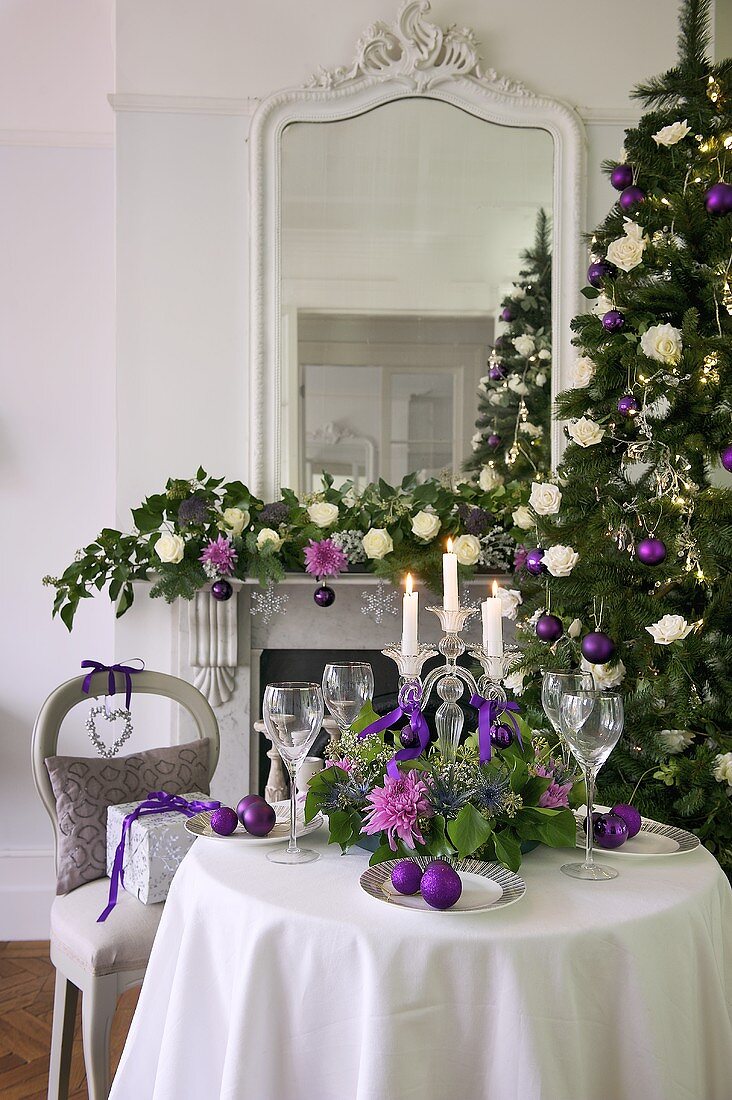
x: 270, y: 982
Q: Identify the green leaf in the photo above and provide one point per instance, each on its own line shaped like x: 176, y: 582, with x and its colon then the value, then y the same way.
x: 345, y: 828
x: 146, y: 520
x: 590, y: 292
x: 519, y: 775
x: 438, y: 844
x: 67, y: 613
x: 381, y: 855
x: 365, y: 718
x: 468, y: 831
x: 508, y: 850
x: 557, y: 828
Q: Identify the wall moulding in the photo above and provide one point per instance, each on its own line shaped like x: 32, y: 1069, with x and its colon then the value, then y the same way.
x: 182, y: 104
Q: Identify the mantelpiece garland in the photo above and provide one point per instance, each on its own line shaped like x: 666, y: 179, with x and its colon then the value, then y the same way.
x: 203, y: 529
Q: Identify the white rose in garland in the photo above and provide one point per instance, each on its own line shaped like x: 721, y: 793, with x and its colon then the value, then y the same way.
x: 518, y: 292
x: 585, y: 432
x: 466, y: 549
x: 510, y: 599
x: 489, y: 478
x: 515, y: 383
x: 723, y: 769
x: 627, y: 251
x: 236, y: 519
x: 605, y: 676
x: 169, y: 548
x: 673, y: 134
x: 425, y: 525
x: 534, y: 430
x: 322, y: 513
x: 496, y: 398
x: 540, y: 379
x: 676, y: 740
x: 524, y: 345
x: 584, y: 371
x: 514, y: 683
x: 268, y: 539
x: 377, y: 543
x: 560, y: 560
x: 635, y: 231
x: 523, y: 518
x: 662, y: 343
x: 545, y: 354
x: 545, y: 498
x: 671, y: 628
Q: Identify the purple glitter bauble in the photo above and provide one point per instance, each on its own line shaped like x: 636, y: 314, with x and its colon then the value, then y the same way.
x: 627, y: 405
x: 496, y: 374
x: 324, y: 596
x: 610, y: 831
x: 224, y: 821
x: 221, y: 590
x: 406, y: 877
x: 494, y: 441
x: 549, y: 628
x: 259, y: 818
x: 501, y: 736
x: 534, y: 562
x: 598, y: 648
x: 630, y: 816
x: 506, y: 314
x: 598, y: 271
x: 409, y: 738
x: 245, y: 802
x: 630, y: 197
x: 621, y: 176
x: 613, y: 321
x: 651, y: 551
x: 726, y: 458
x: 718, y: 199
x: 441, y: 886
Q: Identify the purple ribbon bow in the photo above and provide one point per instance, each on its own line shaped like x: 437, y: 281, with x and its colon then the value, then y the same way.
x: 157, y: 802
x: 410, y: 703
x: 124, y: 670
x: 489, y: 711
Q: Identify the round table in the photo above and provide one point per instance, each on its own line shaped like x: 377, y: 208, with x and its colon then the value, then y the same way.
x: 273, y: 982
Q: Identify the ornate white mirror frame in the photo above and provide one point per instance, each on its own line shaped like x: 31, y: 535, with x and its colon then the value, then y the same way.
x: 412, y: 58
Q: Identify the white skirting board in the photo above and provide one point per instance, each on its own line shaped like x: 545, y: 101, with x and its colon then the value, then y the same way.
x: 27, y: 888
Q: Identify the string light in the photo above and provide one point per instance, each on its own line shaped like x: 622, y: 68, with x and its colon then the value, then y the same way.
x: 713, y: 90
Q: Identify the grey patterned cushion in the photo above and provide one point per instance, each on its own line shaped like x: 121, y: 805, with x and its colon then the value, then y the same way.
x: 85, y: 786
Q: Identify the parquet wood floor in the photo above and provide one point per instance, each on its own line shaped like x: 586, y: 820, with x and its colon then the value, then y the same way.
x: 26, y: 1010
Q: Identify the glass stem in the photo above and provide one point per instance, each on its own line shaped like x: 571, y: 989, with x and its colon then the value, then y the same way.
x: 590, y: 774
x: 292, y: 846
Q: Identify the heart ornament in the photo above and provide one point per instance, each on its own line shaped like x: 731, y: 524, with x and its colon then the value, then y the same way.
x: 109, y: 716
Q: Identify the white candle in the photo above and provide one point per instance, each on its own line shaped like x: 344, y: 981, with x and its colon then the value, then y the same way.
x: 449, y: 580
x: 410, y: 616
x: 491, y: 610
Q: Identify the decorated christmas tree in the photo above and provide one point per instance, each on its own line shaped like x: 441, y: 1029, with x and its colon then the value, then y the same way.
x: 512, y: 429
x: 634, y: 579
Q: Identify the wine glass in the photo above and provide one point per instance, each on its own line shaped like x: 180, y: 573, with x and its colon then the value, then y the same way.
x: 346, y: 688
x: 293, y: 716
x: 553, y: 686
x: 592, y: 722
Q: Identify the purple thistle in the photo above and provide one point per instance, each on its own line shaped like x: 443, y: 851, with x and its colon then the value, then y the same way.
x: 324, y: 558
x: 193, y: 512
x: 476, y: 521
x: 272, y: 515
x: 221, y: 554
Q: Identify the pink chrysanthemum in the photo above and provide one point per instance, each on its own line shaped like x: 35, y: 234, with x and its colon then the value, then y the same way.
x: 344, y: 764
x: 556, y: 795
x: 324, y: 558
x: 519, y: 558
x: 221, y: 554
x: 395, y: 808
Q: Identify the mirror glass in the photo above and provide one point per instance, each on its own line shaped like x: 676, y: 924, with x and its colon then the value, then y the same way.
x: 402, y: 231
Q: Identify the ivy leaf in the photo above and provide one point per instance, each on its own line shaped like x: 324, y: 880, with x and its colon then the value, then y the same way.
x: 345, y: 828
x: 438, y: 843
x: 508, y: 850
x: 365, y: 718
x: 468, y: 831
x: 590, y: 292
x: 381, y: 855
x: 67, y: 613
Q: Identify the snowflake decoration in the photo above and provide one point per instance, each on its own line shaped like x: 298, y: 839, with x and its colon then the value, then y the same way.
x: 268, y: 603
x: 377, y: 603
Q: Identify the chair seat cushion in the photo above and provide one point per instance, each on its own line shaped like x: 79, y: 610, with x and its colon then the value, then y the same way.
x: 122, y: 942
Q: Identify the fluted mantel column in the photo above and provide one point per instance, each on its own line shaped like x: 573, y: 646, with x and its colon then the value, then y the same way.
x: 213, y: 644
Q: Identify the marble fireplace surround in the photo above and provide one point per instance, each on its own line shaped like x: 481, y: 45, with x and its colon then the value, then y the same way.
x: 220, y: 646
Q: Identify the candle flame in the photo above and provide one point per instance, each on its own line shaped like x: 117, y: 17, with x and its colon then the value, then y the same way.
x: 494, y: 590
x: 409, y: 584
x: 449, y: 546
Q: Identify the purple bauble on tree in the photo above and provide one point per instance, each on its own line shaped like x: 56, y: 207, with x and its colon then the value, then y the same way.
x: 259, y: 818
x: 496, y: 374
x: 610, y: 831
x: 506, y: 314
x: 631, y: 197
x: 651, y: 551
x: 621, y: 176
x: 324, y: 596
x: 499, y: 342
x: 534, y: 562
x: 494, y: 441
x: 441, y: 886
x: 549, y: 628
x: 718, y: 199
x: 598, y: 271
x: 630, y: 816
x: 598, y: 648
x: 224, y: 821
x: 501, y: 736
x: 726, y: 458
x: 627, y: 405
x: 221, y: 590
x: 406, y: 877
x: 613, y: 321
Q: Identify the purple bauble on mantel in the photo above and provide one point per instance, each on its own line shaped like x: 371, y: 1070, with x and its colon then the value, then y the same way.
x: 549, y: 628
x: 598, y: 271
x: 406, y: 876
x: 506, y: 314
x: 224, y: 821
x: 651, y: 551
x: 324, y: 596
x: 610, y: 831
x: 725, y: 457
x: 627, y: 405
x: 221, y: 590
x: 501, y: 736
x: 631, y: 197
x: 613, y: 321
x: 621, y: 176
x: 496, y: 374
x: 534, y: 562
x: 493, y: 441
x: 718, y: 199
x: 598, y: 648
x: 441, y: 886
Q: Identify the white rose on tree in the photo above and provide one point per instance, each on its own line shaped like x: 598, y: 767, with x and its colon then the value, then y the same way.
x: 723, y: 768
x: 466, y: 549
x: 377, y: 543
x: 605, y: 676
x: 585, y: 432
x: 584, y: 371
x: 602, y: 305
x: 533, y: 430
x: 518, y: 292
x: 627, y: 251
x: 514, y: 683
x: 524, y: 345
x: 545, y: 498
x: 662, y: 343
x: 322, y: 513
x: 545, y: 354
x: 476, y: 441
x: 169, y: 548
x: 676, y: 740
x: 489, y: 478
x: 510, y: 600
x: 575, y: 628
x: 673, y: 134
x: 671, y: 628
x: 236, y: 519
x: 515, y: 383
x: 523, y: 518
x: 425, y: 525
x: 496, y: 398
x: 540, y: 378
x: 560, y: 560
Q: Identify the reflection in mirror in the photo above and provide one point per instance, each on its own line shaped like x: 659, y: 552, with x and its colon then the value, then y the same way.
x: 401, y: 234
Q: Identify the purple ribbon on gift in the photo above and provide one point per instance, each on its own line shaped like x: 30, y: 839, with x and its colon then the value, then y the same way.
x: 489, y: 711
x: 410, y: 707
x: 127, y: 671
x: 157, y: 802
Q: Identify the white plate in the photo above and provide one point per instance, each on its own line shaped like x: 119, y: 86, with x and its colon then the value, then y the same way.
x: 200, y: 825
x: 485, y: 886
x: 654, y: 839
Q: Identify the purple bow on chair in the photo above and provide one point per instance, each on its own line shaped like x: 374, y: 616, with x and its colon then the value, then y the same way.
x: 489, y: 711
x: 124, y: 670
x: 157, y: 802
x: 410, y: 703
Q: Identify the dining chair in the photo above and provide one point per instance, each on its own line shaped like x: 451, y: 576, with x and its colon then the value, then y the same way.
x: 99, y: 960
